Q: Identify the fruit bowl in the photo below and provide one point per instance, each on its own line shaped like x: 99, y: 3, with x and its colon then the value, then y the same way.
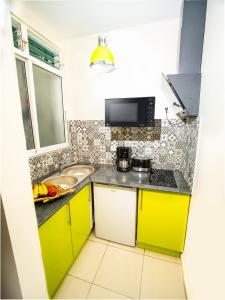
x: 50, y: 190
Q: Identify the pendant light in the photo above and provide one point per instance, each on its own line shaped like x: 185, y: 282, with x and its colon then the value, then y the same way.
x: 102, y: 59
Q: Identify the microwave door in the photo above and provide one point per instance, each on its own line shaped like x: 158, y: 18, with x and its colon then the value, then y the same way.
x: 122, y: 114
x: 130, y: 112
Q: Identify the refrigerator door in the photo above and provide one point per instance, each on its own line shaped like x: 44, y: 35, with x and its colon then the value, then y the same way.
x: 115, y: 213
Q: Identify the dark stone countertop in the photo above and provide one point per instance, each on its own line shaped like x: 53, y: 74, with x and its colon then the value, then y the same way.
x: 108, y: 174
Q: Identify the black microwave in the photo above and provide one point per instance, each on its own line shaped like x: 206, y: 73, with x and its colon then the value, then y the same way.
x: 130, y: 112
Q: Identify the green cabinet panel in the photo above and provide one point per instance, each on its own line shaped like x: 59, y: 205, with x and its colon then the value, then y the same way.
x: 162, y: 221
x: 56, y: 245
x: 80, y: 214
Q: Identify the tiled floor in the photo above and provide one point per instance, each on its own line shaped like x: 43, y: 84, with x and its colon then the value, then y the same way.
x: 106, y: 270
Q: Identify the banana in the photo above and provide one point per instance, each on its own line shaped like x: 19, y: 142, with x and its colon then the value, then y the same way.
x: 40, y: 192
x: 35, y: 190
x: 44, y: 189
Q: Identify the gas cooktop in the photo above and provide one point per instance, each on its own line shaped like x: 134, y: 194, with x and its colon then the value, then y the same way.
x: 162, y: 178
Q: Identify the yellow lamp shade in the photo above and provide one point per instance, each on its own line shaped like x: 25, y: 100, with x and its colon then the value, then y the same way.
x: 102, y: 58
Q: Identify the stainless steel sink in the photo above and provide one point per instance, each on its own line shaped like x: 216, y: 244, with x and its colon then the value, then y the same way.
x: 71, y: 176
x: 66, y: 182
x: 78, y: 170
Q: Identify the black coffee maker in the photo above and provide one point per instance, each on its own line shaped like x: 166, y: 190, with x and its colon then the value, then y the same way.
x: 123, y: 159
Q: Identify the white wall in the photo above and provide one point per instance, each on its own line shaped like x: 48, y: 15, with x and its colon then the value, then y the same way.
x: 10, y: 286
x: 141, y: 54
x: 204, y: 255
x: 15, y: 184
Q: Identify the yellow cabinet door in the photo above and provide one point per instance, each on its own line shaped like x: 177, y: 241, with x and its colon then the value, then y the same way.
x: 56, y: 246
x: 80, y: 214
x: 162, y: 221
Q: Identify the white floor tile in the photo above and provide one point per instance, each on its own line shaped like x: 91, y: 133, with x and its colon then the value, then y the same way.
x: 161, y: 280
x: 72, y: 288
x: 128, y: 248
x: 162, y: 256
x: 87, y: 263
x: 120, y: 271
x: 97, y: 292
x: 93, y: 238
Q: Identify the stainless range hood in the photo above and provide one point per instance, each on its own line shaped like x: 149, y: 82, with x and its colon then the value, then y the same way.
x: 187, y: 83
x: 186, y: 89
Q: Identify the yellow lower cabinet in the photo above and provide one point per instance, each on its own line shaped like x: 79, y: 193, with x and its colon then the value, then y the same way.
x: 62, y: 237
x: 80, y: 214
x: 162, y: 221
x: 56, y: 246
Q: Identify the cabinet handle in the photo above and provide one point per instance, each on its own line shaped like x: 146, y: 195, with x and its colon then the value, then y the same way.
x: 90, y: 193
x: 69, y: 216
x: 141, y: 200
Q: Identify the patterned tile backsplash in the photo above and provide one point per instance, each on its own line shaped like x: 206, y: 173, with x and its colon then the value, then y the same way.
x: 189, y: 152
x: 137, y: 134
x: 169, y: 146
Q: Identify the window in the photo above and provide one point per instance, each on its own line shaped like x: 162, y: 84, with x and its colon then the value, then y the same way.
x: 25, y: 105
x: 49, y: 107
x: 41, y: 94
x: 42, y: 52
x: 17, y: 34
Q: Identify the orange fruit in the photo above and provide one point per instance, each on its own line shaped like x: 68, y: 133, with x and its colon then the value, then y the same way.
x: 48, y: 184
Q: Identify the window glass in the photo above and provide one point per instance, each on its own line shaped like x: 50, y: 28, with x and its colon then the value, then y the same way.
x: 41, y: 51
x: 49, y: 103
x: 17, y: 34
x: 24, y: 98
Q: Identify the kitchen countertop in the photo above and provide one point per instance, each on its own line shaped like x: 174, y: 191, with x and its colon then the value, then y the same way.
x: 108, y: 174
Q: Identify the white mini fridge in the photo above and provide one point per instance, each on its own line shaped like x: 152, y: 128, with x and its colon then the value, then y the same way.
x: 115, y: 210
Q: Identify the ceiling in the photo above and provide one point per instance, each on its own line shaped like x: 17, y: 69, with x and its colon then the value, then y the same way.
x: 78, y: 18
